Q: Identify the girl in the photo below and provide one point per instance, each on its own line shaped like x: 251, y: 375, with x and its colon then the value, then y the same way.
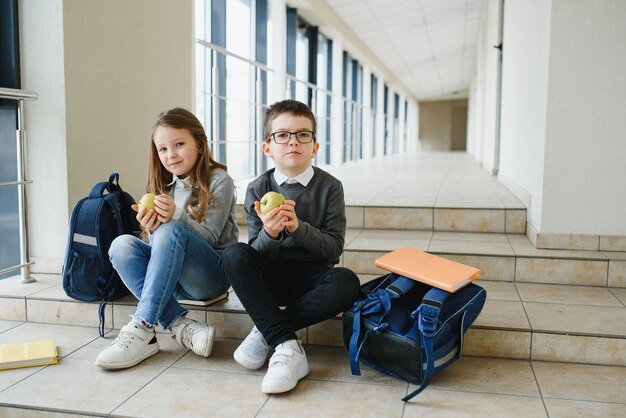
x: 193, y: 220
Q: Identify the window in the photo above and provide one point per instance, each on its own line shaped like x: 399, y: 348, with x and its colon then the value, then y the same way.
x: 323, y: 97
x: 374, y: 111
x: 10, y: 78
x: 396, y: 123
x: 385, y: 119
x: 232, y: 86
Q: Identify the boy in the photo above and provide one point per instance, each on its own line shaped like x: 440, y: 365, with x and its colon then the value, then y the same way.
x: 292, y: 250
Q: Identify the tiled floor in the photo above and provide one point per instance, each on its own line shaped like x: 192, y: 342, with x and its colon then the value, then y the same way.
x: 176, y: 383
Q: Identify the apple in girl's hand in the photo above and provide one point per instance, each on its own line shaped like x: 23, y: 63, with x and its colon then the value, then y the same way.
x: 271, y: 200
x: 147, y: 201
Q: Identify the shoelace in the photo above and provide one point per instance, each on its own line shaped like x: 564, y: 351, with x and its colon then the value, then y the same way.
x: 124, y: 339
x: 187, y: 335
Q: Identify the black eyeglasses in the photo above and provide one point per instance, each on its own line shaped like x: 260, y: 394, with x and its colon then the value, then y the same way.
x: 283, y: 137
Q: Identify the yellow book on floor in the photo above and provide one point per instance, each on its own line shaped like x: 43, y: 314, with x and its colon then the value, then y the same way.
x: 428, y: 268
x: 203, y: 302
x: 27, y: 354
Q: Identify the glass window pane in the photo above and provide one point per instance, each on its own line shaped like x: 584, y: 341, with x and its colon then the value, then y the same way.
x: 9, y: 230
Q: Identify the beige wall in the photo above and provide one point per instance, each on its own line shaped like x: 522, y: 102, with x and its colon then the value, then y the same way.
x: 126, y: 61
x: 437, y: 125
x: 103, y: 71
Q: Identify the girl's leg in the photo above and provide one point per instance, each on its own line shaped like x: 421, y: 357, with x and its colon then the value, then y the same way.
x: 130, y: 256
x: 181, y: 264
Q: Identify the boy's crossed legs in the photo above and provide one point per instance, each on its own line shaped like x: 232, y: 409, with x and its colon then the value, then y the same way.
x: 310, y: 293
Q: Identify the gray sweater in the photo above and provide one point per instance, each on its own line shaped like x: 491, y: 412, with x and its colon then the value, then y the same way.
x: 321, y: 212
x: 219, y: 226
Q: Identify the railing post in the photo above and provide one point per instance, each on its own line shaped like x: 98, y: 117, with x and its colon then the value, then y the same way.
x: 22, y: 198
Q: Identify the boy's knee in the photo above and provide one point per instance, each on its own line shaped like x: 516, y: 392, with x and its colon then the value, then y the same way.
x: 348, y: 283
x: 236, y: 250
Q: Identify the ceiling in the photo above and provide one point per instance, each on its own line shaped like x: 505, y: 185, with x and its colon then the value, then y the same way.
x: 429, y: 45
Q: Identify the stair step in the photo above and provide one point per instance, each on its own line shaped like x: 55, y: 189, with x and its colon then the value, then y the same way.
x: 502, y: 257
x: 579, y: 324
x: 473, y: 219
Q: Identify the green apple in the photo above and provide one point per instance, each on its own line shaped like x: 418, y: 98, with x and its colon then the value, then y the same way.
x: 147, y: 201
x: 271, y: 200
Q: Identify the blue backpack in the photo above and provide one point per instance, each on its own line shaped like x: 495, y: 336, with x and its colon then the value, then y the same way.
x: 409, y: 329
x: 96, y: 220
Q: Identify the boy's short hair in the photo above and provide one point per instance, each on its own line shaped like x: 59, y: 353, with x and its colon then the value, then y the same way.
x: 286, y: 106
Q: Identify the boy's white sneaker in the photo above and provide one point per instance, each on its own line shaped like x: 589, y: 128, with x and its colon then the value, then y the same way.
x: 287, y: 366
x: 196, y: 336
x: 133, y: 345
x: 253, y: 351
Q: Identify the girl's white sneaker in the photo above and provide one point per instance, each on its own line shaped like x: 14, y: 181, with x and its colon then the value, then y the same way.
x: 196, y: 336
x: 133, y: 345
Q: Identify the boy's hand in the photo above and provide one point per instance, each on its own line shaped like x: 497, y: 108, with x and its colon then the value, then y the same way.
x: 288, y: 210
x: 273, y: 221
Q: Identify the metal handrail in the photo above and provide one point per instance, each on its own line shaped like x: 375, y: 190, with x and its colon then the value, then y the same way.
x: 18, y: 94
x: 22, y: 199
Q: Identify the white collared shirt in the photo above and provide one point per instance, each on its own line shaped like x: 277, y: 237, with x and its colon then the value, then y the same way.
x: 303, y: 178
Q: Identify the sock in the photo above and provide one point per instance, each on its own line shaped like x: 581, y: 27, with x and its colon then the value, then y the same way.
x: 143, y: 324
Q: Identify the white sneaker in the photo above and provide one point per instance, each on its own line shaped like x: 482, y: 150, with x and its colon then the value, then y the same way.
x: 196, y: 336
x: 252, y: 352
x: 133, y: 345
x: 287, y: 366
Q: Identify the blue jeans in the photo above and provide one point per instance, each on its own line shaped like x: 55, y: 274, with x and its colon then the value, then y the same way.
x: 309, y: 291
x: 177, y: 264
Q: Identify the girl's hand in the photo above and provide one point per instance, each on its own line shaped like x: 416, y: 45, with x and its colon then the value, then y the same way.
x: 288, y: 211
x: 147, y: 218
x: 164, y: 207
x: 272, y: 220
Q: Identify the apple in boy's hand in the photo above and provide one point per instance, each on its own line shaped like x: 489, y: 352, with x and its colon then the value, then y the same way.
x: 271, y: 200
x: 147, y: 201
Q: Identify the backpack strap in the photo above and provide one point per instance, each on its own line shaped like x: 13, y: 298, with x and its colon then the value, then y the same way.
x: 378, y: 301
x: 101, y: 311
x: 110, y: 186
x: 428, y: 318
x: 114, y: 183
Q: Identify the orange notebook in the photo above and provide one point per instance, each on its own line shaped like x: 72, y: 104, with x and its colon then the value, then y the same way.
x: 427, y: 268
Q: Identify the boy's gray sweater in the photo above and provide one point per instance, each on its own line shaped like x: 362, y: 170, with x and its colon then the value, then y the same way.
x: 320, y: 209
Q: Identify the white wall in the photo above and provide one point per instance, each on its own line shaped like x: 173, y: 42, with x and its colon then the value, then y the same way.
x: 585, y: 153
x: 103, y: 71
x: 42, y: 63
x: 526, y: 39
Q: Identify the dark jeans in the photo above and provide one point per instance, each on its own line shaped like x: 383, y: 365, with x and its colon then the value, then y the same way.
x: 310, y: 292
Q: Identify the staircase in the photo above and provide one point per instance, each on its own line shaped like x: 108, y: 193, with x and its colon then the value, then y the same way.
x: 553, y: 305
x: 547, y: 306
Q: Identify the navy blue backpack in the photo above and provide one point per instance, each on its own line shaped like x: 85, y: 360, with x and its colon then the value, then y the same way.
x: 96, y: 220
x: 409, y: 329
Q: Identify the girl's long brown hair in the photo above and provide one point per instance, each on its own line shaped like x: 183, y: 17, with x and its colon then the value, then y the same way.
x: 200, y: 178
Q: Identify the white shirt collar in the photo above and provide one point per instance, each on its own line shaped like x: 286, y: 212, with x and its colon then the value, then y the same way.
x: 303, y: 178
x: 179, y: 181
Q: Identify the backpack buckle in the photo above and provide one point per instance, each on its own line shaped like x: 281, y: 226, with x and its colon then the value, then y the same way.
x: 428, y: 320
